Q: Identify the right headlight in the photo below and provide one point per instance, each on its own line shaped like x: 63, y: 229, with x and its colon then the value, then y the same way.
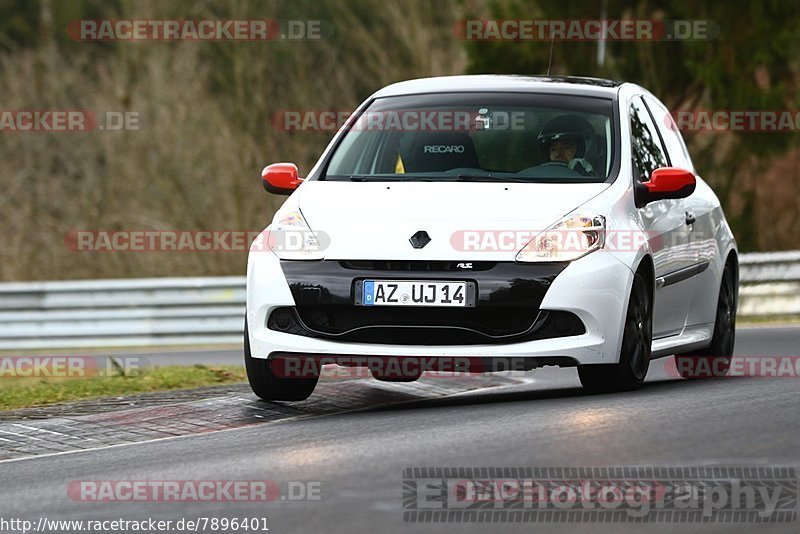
x: 573, y: 237
x: 290, y: 237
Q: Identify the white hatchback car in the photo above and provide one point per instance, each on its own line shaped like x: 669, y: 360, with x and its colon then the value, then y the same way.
x: 481, y: 223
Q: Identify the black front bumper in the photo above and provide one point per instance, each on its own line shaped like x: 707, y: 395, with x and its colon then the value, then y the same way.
x: 508, y: 297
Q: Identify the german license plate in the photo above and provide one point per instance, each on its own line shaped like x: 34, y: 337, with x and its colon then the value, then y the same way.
x: 414, y: 293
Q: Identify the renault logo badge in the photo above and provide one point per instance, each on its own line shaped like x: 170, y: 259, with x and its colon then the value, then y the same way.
x: 420, y: 239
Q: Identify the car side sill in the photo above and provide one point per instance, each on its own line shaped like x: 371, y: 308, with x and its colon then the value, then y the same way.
x: 692, y: 338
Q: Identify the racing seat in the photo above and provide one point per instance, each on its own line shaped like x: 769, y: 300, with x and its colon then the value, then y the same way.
x: 440, y: 151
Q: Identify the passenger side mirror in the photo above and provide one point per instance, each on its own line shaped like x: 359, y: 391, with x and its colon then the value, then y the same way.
x: 280, y: 178
x: 665, y: 182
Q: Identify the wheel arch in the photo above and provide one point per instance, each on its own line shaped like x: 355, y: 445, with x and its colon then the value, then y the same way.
x: 648, y: 270
x: 732, y: 259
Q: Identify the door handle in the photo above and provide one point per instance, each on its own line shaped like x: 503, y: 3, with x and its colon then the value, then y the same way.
x: 690, y: 218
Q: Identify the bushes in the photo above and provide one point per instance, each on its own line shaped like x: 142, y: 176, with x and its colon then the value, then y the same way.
x: 204, y: 135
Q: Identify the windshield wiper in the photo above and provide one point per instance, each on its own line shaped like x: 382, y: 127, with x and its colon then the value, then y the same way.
x: 376, y: 178
x: 488, y: 178
x: 444, y: 178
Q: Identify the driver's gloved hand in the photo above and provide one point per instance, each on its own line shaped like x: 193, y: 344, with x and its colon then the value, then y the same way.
x: 582, y: 166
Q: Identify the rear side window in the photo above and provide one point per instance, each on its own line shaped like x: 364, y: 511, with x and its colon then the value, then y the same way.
x: 676, y: 148
x: 648, y: 152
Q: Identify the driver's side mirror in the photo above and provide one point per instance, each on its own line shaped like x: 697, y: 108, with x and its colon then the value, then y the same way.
x: 280, y: 178
x: 665, y: 182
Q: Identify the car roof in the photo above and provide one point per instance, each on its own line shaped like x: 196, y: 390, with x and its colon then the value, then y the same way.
x: 571, y: 85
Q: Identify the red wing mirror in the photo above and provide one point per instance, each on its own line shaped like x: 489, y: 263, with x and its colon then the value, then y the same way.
x: 672, y: 181
x: 665, y: 182
x: 280, y: 178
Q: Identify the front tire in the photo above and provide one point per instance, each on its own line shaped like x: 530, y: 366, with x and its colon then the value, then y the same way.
x: 634, y: 357
x: 269, y: 387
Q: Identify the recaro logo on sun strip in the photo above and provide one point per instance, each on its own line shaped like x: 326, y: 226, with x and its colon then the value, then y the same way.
x: 444, y: 149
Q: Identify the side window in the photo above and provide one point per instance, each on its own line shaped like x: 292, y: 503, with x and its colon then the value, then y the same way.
x: 676, y: 148
x: 648, y: 153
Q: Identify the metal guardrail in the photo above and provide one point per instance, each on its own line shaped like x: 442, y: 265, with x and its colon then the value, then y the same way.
x: 200, y: 311
x: 769, y: 284
x: 122, y: 313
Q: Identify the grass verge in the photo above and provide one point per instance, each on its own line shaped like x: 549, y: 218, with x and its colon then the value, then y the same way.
x: 27, y: 392
x: 769, y: 320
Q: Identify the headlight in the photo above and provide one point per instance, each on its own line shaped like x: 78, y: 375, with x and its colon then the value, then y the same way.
x: 573, y: 237
x: 290, y: 237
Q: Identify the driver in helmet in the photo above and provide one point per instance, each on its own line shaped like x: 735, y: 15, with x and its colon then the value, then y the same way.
x: 568, y: 139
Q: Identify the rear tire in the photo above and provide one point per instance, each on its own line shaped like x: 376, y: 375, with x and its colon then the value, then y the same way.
x: 269, y: 387
x: 720, y: 352
x: 634, y: 358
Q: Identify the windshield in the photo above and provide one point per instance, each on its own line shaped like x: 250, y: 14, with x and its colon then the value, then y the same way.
x: 478, y: 137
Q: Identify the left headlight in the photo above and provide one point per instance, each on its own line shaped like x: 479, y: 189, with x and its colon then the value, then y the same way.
x: 290, y: 237
x: 571, y: 238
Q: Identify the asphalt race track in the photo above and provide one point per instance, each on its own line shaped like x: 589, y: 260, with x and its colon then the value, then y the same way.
x: 350, y: 446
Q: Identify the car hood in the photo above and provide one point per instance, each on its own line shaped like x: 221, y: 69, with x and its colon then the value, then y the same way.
x: 374, y: 220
